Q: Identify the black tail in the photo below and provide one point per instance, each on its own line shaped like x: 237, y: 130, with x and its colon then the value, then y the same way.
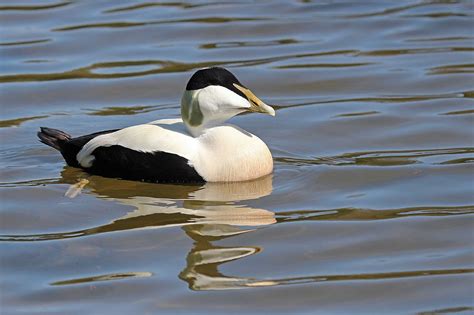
x: 53, y: 137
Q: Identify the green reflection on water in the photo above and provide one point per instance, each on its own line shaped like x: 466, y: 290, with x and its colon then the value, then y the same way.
x: 18, y: 121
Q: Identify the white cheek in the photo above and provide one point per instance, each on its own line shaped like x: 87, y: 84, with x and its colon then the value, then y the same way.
x: 216, y: 99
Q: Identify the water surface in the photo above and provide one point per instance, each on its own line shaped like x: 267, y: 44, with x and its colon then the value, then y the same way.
x: 369, y: 209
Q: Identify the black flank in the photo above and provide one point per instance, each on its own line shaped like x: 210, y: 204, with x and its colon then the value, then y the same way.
x: 159, y: 167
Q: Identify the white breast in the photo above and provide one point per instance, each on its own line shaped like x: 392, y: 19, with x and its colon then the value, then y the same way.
x: 228, y: 153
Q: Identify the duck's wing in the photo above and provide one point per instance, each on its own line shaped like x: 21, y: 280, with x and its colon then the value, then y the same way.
x: 167, y: 121
x: 144, y: 152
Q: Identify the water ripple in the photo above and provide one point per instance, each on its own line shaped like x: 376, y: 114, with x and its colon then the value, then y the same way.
x: 381, y: 99
x: 129, y: 110
x: 354, y: 277
x: 120, y: 24
x: 460, y: 112
x: 394, y: 10
x: 34, y: 7
x: 182, y: 5
x: 109, y: 70
x: 379, y: 158
x: 26, y: 42
x: 373, y: 112
x: 450, y: 69
x: 440, y: 39
x: 105, y: 70
x: 438, y: 15
x: 197, y: 218
x: 121, y: 69
x: 412, y: 51
x: 325, y: 65
x: 261, y: 43
x: 359, y: 214
x: 106, y: 277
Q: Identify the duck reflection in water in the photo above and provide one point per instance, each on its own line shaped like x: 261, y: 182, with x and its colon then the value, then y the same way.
x: 206, y: 213
x: 211, y: 213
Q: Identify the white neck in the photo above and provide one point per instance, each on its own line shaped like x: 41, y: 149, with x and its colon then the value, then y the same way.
x: 209, y: 107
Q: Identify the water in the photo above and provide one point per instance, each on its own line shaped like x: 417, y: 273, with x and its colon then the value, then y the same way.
x: 369, y: 209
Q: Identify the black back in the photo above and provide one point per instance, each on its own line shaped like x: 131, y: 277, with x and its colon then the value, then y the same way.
x: 214, y: 76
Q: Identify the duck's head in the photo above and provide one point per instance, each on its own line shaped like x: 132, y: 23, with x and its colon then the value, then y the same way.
x: 214, y: 95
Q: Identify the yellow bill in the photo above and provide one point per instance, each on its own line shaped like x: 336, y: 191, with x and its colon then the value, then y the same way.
x: 256, y: 105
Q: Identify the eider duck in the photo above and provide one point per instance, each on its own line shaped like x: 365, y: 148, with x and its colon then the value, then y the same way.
x: 206, y: 150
